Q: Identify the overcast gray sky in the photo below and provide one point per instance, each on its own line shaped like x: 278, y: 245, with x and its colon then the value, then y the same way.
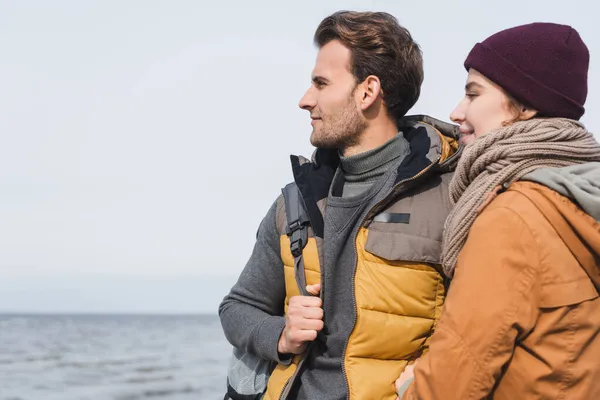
x: 131, y: 132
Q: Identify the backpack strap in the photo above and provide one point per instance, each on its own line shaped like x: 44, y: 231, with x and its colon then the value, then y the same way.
x: 297, y: 230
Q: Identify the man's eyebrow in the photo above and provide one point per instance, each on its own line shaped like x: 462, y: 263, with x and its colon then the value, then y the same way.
x: 319, y: 79
x: 473, y: 85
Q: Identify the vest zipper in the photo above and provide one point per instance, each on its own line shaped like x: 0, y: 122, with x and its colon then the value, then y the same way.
x: 284, y: 387
x: 354, y: 323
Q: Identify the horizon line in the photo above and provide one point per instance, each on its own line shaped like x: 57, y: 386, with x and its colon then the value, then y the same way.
x: 104, y: 313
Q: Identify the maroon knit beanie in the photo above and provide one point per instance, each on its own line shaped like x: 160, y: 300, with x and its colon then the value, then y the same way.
x: 543, y: 65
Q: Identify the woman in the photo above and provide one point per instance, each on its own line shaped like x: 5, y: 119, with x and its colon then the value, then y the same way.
x: 522, y: 316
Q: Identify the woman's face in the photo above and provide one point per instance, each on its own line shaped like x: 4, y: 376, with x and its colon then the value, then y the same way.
x: 485, y: 107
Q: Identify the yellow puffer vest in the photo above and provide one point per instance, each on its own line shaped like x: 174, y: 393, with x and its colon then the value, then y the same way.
x: 398, y: 303
x: 398, y: 291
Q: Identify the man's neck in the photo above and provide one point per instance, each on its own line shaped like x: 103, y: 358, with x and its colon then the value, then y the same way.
x: 376, y: 135
x: 360, y: 172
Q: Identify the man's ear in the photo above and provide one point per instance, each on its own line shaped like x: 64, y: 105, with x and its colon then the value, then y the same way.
x: 370, y: 92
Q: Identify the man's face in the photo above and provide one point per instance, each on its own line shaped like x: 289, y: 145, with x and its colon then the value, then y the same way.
x: 331, y: 100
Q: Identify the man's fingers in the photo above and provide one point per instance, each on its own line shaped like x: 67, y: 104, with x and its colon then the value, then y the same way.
x: 311, y: 324
x: 312, y: 313
x: 298, y: 337
x: 303, y: 320
x: 305, y: 335
x: 314, y: 289
x: 305, y: 301
x: 302, y: 323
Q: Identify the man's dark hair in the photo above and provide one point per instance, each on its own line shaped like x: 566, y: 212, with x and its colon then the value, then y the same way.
x: 380, y: 46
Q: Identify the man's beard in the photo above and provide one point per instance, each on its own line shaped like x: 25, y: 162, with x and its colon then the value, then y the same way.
x: 340, y: 131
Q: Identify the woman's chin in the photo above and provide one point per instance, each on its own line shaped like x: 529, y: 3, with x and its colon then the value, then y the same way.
x: 467, y: 139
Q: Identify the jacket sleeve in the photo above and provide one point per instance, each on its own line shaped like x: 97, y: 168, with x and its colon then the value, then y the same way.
x: 492, y: 303
x: 252, y: 313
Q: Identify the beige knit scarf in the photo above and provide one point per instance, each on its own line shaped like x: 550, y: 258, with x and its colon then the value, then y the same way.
x: 503, y: 156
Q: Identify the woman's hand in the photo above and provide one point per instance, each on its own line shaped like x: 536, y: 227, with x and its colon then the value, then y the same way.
x: 405, y: 379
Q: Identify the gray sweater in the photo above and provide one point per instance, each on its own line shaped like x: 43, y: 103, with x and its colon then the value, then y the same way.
x: 362, y: 170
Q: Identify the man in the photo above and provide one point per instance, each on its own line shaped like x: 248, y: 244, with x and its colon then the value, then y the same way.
x: 377, y: 198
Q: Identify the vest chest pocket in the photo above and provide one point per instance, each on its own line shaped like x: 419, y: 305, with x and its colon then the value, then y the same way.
x: 411, y: 229
x: 395, y: 242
